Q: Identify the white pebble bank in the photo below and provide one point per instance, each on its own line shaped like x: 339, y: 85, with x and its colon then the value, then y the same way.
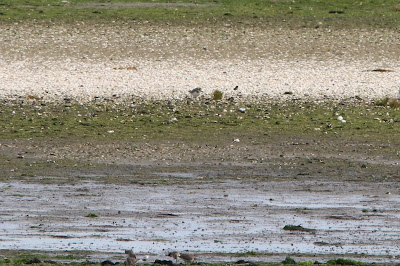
x: 173, y: 79
x: 153, y: 63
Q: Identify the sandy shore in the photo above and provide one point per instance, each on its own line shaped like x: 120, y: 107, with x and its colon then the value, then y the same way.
x: 163, y: 62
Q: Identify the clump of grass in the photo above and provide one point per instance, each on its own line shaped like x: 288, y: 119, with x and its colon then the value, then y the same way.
x: 297, y: 228
x: 217, y: 95
x: 92, y: 215
x: 309, y: 262
x: 288, y: 260
x: 28, y: 259
x: 345, y: 262
x: 33, y: 260
x: 382, y: 102
x: 68, y: 257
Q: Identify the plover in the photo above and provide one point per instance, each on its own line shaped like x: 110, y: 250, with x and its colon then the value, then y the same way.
x: 175, y: 255
x: 131, y: 259
x: 188, y: 258
x: 195, y: 92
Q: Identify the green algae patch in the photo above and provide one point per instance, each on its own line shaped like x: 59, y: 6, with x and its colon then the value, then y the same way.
x: 306, y: 13
x: 297, y: 228
x: 183, y: 120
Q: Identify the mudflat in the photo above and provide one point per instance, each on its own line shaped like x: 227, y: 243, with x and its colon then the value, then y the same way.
x: 223, y: 202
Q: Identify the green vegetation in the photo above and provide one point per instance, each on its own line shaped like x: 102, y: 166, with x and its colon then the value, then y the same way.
x: 68, y: 257
x: 307, y: 263
x: 203, y: 120
x: 17, y: 195
x: 217, y: 95
x: 24, y: 258
x: 345, y: 262
x: 133, y: 127
x: 33, y: 260
x: 92, y: 215
x: 300, y: 13
x: 288, y: 260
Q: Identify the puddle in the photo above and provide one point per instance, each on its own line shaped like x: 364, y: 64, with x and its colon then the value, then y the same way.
x: 206, y: 217
x: 178, y: 175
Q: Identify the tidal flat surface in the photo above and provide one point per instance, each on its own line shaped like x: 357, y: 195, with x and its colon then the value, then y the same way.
x: 209, y: 218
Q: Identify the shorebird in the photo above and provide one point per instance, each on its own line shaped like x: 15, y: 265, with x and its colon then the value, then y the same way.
x: 195, y: 92
x: 188, y: 258
x: 175, y: 255
x: 131, y: 259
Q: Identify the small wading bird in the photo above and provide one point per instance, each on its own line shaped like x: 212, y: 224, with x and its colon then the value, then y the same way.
x: 195, y: 92
x: 174, y: 255
x: 131, y: 259
x: 188, y: 258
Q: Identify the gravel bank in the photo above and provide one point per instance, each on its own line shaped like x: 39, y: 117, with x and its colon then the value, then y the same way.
x: 165, y: 62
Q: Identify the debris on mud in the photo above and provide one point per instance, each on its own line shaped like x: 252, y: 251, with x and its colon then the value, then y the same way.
x: 297, y: 228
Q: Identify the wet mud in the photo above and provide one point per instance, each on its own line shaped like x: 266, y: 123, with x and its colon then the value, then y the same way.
x: 207, y: 217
